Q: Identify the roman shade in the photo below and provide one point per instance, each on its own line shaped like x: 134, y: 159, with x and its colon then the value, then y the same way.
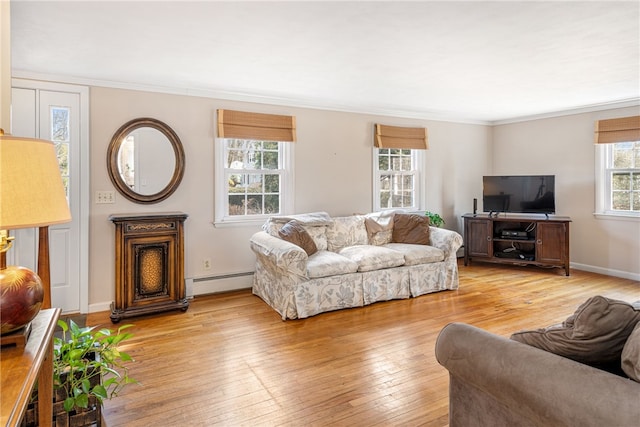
x: 618, y: 130
x: 258, y: 126
x: 400, y: 137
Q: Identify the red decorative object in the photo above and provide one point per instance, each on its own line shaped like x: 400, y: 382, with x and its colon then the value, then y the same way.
x: 21, y: 295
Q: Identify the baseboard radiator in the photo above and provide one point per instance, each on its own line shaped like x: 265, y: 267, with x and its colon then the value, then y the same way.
x: 219, y: 283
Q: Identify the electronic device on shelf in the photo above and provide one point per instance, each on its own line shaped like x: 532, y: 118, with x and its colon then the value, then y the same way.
x: 519, y: 194
x: 514, y: 234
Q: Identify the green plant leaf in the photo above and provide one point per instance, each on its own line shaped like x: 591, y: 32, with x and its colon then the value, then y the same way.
x: 69, y: 403
x: 82, y: 401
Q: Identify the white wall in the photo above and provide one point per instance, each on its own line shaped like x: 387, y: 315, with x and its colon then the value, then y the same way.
x: 333, y: 173
x: 563, y: 146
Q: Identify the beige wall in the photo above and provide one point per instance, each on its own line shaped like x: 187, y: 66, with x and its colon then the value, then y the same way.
x: 333, y: 172
x: 563, y: 146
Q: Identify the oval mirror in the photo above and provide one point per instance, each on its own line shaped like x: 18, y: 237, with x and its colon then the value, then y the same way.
x: 145, y: 160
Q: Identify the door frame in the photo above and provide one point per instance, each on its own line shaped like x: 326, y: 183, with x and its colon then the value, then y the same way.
x: 84, y: 174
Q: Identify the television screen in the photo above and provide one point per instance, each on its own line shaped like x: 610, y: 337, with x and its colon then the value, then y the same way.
x: 519, y: 194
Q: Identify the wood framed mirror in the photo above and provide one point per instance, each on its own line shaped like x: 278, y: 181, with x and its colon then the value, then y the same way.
x: 145, y: 160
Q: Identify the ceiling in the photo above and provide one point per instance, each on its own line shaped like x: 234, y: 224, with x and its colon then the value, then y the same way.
x: 468, y: 61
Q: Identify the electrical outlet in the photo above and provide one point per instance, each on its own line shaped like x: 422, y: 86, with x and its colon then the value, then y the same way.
x: 206, y: 264
x: 105, y: 197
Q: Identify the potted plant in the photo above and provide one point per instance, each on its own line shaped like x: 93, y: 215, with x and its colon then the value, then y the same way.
x: 88, y: 368
x: 434, y: 219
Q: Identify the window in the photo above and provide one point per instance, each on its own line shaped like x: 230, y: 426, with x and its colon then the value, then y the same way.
x: 254, y: 178
x: 621, y: 178
x: 397, y: 178
x: 254, y: 170
x: 398, y: 161
x: 618, y: 166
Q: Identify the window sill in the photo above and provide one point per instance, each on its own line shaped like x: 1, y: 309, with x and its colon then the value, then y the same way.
x: 240, y: 223
x: 634, y: 217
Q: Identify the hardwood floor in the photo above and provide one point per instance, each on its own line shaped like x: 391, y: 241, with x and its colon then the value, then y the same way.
x: 230, y: 360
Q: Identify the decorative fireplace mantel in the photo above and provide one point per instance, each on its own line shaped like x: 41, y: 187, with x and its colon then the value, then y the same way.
x: 149, y: 264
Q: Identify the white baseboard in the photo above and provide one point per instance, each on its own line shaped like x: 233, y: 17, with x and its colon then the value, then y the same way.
x: 606, y: 271
x: 201, y: 286
x: 220, y: 283
x: 100, y: 306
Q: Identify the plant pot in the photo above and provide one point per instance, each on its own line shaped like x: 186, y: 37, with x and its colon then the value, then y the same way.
x: 79, y: 417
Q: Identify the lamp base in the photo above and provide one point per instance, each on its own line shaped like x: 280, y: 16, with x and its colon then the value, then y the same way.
x: 17, y: 338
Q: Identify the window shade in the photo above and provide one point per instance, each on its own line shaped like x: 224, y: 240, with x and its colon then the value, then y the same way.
x: 618, y: 130
x: 400, y: 137
x: 264, y: 127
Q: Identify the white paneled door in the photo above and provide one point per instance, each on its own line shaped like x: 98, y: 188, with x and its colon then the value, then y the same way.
x: 58, y: 113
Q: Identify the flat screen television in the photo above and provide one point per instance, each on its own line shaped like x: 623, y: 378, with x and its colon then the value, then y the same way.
x: 519, y: 194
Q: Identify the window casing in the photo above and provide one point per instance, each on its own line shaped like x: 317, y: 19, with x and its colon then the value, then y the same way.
x: 618, y: 179
x: 254, y: 180
x: 396, y: 183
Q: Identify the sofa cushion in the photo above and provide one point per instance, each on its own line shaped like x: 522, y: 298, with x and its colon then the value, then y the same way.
x: 369, y: 257
x: 346, y: 231
x: 379, y: 227
x: 631, y: 354
x: 417, y: 254
x: 325, y: 263
x: 294, y: 233
x: 315, y: 230
x: 595, y: 334
x: 410, y: 228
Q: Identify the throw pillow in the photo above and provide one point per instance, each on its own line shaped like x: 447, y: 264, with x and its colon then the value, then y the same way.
x: 595, y: 334
x: 295, y: 233
x: 631, y: 354
x: 379, y: 228
x: 410, y: 228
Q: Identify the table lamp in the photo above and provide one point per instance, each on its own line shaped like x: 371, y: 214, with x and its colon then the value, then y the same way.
x: 31, y: 195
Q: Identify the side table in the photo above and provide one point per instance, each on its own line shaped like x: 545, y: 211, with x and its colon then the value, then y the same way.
x: 20, y: 367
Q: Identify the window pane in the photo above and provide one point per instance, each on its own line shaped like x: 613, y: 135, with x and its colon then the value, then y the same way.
x: 385, y: 197
x: 254, y: 183
x: 270, y: 160
x: 254, y: 205
x: 383, y: 163
x: 621, y: 181
x: 270, y: 145
x: 385, y: 182
x: 406, y: 163
x: 60, y: 124
x: 235, y: 183
x: 272, y: 183
x: 623, y: 155
x: 621, y: 200
x: 407, y: 182
x: 271, y: 204
x: 236, y: 205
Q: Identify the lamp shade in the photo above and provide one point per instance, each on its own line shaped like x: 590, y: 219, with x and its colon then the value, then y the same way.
x: 31, y: 190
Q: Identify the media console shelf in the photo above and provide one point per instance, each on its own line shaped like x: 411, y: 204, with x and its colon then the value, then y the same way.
x: 517, y: 239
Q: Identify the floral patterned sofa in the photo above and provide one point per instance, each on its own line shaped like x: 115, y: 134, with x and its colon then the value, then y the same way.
x: 353, y: 261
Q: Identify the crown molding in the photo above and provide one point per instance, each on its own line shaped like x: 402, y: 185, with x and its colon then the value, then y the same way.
x: 315, y: 104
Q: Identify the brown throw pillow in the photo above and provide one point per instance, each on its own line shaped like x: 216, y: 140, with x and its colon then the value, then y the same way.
x: 631, y: 355
x: 410, y: 228
x: 595, y: 334
x: 294, y: 233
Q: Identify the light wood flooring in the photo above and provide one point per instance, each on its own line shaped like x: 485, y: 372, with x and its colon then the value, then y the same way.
x: 231, y: 361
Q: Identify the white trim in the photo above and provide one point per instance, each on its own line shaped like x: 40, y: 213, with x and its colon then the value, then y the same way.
x: 623, y: 103
x: 606, y: 271
x: 313, y: 103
